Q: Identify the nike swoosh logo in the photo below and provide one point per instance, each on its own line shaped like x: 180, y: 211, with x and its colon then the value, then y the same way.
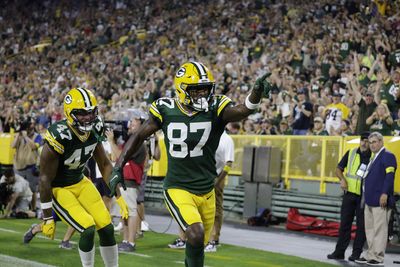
x: 115, y: 176
x: 209, y: 197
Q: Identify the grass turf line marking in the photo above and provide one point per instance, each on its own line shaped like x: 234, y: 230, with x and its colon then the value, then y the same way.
x: 73, y: 242
x: 13, y: 261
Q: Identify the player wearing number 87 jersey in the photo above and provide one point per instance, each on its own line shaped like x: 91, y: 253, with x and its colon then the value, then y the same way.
x: 192, y: 123
x: 69, y: 144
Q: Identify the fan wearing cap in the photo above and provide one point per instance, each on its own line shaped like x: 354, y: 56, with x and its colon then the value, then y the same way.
x: 350, y: 172
x: 284, y: 128
x: 366, y: 105
x: 319, y: 127
x: 334, y: 113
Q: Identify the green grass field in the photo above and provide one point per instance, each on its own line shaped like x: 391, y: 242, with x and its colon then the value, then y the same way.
x: 151, y: 251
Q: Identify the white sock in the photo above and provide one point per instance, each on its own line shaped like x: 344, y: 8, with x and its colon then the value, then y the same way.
x: 87, y: 258
x: 109, y: 255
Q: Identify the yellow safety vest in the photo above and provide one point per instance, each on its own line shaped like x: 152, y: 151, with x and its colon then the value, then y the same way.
x: 353, y: 180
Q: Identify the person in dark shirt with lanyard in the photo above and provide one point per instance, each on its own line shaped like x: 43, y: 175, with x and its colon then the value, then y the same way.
x: 350, y: 171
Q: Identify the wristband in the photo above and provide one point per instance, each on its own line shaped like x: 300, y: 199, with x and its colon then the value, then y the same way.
x: 46, y: 205
x: 250, y: 105
x: 227, y: 168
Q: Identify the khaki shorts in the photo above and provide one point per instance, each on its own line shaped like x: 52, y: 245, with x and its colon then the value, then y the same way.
x: 130, y: 196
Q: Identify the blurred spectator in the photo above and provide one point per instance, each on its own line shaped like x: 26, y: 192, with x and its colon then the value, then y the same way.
x: 345, y: 129
x: 334, y: 113
x: 302, y: 114
x: 366, y: 105
x: 312, y: 45
x: 284, y: 128
x: 319, y: 127
x: 26, y: 144
x: 381, y: 121
x: 266, y: 128
x: 389, y: 91
x: 21, y: 195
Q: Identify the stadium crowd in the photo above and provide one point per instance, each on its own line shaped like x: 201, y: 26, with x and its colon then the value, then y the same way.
x: 343, y: 56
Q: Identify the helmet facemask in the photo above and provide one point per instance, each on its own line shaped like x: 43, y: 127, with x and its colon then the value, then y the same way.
x: 84, y: 119
x: 199, y: 95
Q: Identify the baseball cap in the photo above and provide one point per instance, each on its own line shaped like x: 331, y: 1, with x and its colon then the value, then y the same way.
x: 275, y: 90
x: 318, y: 119
x: 364, y: 135
x: 369, y: 94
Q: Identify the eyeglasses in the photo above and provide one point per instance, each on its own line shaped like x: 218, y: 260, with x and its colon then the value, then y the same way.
x: 317, y: 121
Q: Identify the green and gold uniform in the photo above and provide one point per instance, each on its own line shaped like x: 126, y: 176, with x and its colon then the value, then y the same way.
x: 75, y: 198
x: 191, y: 140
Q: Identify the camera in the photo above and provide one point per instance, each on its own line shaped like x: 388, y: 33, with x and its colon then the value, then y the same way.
x: 22, y: 124
x: 119, y: 128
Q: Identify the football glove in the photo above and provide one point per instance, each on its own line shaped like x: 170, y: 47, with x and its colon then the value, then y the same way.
x: 262, y: 86
x: 49, y: 228
x: 123, y: 207
x: 115, y: 179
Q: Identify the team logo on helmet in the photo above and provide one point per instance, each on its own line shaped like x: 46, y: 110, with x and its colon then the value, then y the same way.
x: 180, y: 72
x: 68, y: 99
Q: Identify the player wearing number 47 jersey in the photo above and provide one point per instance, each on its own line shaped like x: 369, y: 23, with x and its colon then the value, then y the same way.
x: 192, y: 124
x: 69, y: 145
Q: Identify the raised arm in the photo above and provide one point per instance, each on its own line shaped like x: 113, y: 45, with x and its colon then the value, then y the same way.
x: 253, y: 100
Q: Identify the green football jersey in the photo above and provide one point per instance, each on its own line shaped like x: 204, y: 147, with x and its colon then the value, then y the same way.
x: 74, y: 150
x: 388, y: 93
x: 191, y: 140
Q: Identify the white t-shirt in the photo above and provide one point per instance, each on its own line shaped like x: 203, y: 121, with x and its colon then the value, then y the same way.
x: 107, y: 149
x: 21, y: 186
x: 225, y: 152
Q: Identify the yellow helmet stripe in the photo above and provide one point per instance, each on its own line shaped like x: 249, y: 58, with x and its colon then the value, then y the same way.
x: 85, y: 96
x: 200, y: 69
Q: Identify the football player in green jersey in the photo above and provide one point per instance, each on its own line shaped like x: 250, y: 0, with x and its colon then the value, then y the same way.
x: 69, y: 144
x: 192, y: 123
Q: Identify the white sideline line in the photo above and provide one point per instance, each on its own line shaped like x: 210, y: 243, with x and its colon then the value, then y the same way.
x: 73, y: 242
x: 10, y: 231
x: 9, y: 261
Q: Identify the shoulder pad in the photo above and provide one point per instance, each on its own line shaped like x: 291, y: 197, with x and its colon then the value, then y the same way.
x: 221, y: 101
x: 99, y: 129
x: 57, y: 135
x: 159, y: 105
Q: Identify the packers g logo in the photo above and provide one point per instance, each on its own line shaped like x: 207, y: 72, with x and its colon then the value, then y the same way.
x: 68, y: 99
x: 180, y: 72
